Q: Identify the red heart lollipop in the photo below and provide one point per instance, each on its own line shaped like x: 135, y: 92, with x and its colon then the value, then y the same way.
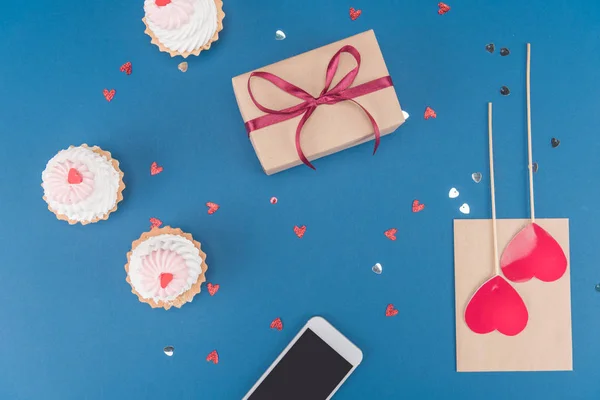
x: 533, y: 252
x: 496, y: 305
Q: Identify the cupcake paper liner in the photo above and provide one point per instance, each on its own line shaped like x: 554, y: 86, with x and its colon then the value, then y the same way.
x: 186, y: 296
x: 115, y: 164
x: 155, y: 41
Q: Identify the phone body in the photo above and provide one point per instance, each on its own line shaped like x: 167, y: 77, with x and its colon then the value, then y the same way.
x: 313, y: 366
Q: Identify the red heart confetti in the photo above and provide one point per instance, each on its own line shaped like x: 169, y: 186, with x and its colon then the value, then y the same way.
x: 299, y: 230
x: 212, y: 289
x: 165, y: 279
x: 391, y: 233
x: 109, y: 94
x: 354, y: 13
x: 212, y: 207
x: 74, y: 177
x: 155, y: 169
x: 533, y: 252
x: 496, y: 305
x: 277, y: 324
x: 416, y: 206
x: 429, y: 113
x: 443, y: 8
x: 155, y: 223
x: 390, y: 311
x: 213, y: 356
x: 126, y: 68
x: 273, y: 200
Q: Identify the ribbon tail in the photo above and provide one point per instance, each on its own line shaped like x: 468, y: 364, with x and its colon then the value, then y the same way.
x: 374, y: 123
x: 305, y: 118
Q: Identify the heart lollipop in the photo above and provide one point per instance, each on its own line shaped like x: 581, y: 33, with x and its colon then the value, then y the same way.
x: 532, y: 252
x: 496, y: 305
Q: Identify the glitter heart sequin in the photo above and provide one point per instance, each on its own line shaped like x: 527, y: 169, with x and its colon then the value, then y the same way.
x: 213, y: 357
x: 390, y: 311
x: 504, y: 52
x: 443, y: 8
x: 391, y: 233
x: 212, y: 207
x: 299, y: 231
x: 377, y: 268
x: 490, y: 48
x: 504, y: 91
x: 429, y: 113
x: 109, y: 94
x: 155, y: 223
x: 169, y: 350
x: 126, y: 68
x: 277, y: 324
x: 354, y: 13
x: 155, y: 169
x: 279, y: 35
x: 554, y: 142
x: 212, y: 289
x: 416, y: 206
x: 476, y: 176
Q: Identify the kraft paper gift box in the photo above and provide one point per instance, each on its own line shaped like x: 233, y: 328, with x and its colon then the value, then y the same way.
x: 331, y: 127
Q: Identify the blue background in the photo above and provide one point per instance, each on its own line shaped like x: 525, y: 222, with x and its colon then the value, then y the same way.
x: 71, y: 329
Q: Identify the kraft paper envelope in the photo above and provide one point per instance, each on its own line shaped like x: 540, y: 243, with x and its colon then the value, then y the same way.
x: 546, y: 343
x: 331, y: 128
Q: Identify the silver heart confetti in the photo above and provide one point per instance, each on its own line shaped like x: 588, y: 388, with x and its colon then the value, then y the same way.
x: 377, y: 268
x: 476, y: 177
x: 169, y: 350
x: 279, y: 35
x: 534, y: 167
x: 453, y: 193
x: 465, y: 209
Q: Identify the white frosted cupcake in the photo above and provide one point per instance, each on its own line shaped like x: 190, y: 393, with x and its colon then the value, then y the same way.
x: 82, y: 184
x: 165, y: 268
x: 183, y: 27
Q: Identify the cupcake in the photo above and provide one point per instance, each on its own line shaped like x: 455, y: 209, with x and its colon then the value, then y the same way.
x: 82, y: 184
x: 165, y: 268
x: 183, y: 27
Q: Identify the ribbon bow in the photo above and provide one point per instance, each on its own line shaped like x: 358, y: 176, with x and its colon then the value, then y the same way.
x: 341, y: 92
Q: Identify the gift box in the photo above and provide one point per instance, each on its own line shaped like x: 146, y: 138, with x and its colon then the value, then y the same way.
x: 318, y: 103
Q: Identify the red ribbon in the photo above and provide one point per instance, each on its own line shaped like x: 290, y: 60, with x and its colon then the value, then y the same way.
x: 341, y: 92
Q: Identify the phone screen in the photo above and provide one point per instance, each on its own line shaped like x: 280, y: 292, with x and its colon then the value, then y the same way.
x: 311, y: 369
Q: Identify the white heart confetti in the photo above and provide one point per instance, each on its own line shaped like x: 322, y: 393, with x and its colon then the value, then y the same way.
x: 405, y: 114
x: 169, y: 350
x: 453, y: 193
x: 465, y: 209
x: 279, y: 35
x: 377, y: 268
x: 476, y: 177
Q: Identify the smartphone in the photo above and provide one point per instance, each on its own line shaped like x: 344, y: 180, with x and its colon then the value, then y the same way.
x: 312, y: 367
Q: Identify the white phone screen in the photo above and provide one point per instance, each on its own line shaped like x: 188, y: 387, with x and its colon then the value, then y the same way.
x: 311, y: 369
